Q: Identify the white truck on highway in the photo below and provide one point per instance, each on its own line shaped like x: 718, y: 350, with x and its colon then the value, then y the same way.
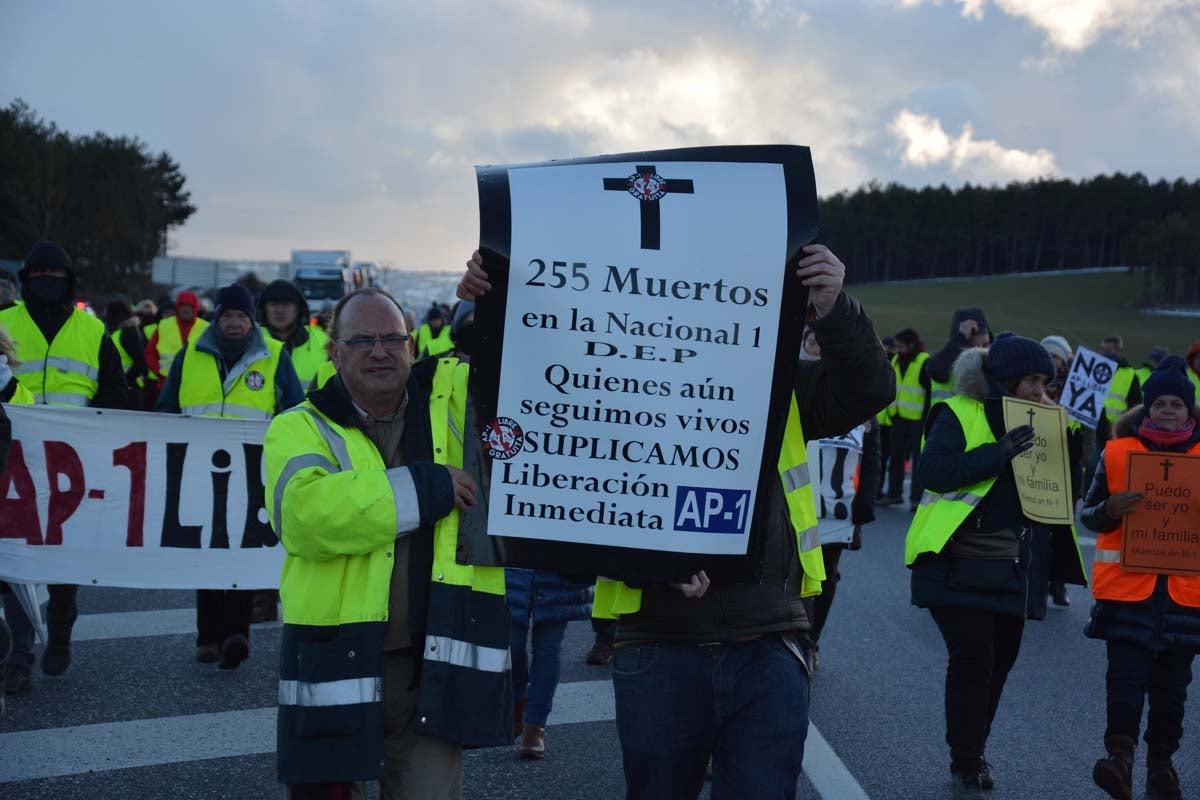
x: 320, y: 274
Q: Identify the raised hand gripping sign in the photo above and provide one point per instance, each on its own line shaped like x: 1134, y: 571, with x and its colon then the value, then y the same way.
x: 632, y: 385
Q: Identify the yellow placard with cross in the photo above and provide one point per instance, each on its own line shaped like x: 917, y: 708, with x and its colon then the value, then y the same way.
x: 1043, y: 472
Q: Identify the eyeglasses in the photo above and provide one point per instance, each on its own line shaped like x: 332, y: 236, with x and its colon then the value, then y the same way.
x: 392, y: 342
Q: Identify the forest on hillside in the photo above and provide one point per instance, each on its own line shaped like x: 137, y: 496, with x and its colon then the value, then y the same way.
x: 893, y: 232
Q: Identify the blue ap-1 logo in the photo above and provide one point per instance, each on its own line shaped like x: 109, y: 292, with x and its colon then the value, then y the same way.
x: 702, y: 510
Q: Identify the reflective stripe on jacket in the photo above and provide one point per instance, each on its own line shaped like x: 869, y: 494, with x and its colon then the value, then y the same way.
x: 65, y: 371
x: 614, y: 598
x: 940, y: 391
x: 939, y: 515
x: 910, y: 394
x: 1109, y: 580
x: 247, y: 392
x: 337, y: 510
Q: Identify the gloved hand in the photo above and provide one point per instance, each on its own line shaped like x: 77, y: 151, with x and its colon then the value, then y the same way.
x: 1016, y: 441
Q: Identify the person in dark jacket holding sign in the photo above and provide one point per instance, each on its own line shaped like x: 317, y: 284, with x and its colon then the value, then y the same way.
x: 978, y: 563
x: 716, y: 670
x: 1150, y: 622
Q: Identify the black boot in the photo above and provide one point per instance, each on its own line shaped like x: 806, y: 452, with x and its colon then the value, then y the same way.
x: 1114, y: 773
x: 59, y: 623
x: 1162, y: 782
x: 1058, y: 594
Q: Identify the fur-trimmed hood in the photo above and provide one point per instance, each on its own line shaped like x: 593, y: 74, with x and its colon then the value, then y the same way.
x: 1127, y: 424
x: 969, y: 377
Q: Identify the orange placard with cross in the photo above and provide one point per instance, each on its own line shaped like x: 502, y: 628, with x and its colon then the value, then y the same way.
x: 1163, y: 532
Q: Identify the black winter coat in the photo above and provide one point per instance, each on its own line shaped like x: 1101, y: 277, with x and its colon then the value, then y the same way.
x: 1158, y: 622
x: 999, y: 585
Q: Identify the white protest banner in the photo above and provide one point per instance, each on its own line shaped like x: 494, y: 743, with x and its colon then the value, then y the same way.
x: 1087, y: 385
x: 641, y: 324
x: 123, y: 498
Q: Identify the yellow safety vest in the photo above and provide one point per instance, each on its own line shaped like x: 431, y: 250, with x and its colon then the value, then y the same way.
x: 325, y: 482
x: 324, y: 373
x: 170, y: 341
x: 309, y: 358
x: 614, y: 598
x: 1116, y: 402
x: 126, y: 359
x: 940, y: 391
x: 910, y: 394
x: 940, y: 515
x: 21, y: 396
x: 431, y: 345
x: 64, y: 372
x: 248, y: 391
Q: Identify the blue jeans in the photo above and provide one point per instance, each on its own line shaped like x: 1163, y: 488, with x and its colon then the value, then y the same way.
x: 537, y: 680
x: 744, y: 704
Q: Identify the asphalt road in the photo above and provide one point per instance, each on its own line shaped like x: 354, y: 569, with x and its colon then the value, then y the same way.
x: 135, y: 716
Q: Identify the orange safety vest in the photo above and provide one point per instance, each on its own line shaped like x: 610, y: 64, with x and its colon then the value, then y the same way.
x: 1109, y: 581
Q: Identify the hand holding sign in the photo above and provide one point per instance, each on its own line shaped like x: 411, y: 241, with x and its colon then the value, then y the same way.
x: 1120, y: 504
x: 1016, y: 441
x: 474, y: 283
x: 823, y: 274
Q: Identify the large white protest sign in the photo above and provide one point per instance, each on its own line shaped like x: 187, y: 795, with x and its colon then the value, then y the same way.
x: 122, y: 498
x: 639, y: 348
x: 1087, y: 386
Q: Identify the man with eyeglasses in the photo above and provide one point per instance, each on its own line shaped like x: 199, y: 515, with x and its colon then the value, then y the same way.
x: 230, y: 370
x: 394, y: 656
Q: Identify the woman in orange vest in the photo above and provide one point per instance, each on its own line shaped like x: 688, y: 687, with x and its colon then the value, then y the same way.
x: 1151, y: 622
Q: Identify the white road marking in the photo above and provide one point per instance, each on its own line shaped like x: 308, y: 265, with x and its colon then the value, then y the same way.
x: 130, y: 624
x: 56, y: 752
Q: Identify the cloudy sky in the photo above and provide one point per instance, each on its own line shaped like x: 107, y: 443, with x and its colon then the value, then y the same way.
x: 355, y: 124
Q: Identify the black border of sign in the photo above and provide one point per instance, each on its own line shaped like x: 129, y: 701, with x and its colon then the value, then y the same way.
x: 635, y: 566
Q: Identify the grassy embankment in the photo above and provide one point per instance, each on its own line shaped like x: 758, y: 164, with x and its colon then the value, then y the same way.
x: 1084, y: 308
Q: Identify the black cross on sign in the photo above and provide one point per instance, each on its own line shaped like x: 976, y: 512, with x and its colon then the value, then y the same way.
x: 649, y: 187
x: 1030, y: 412
x: 1166, y: 464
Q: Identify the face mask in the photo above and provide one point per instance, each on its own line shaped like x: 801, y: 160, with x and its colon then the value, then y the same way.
x: 47, y: 290
x: 467, y: 338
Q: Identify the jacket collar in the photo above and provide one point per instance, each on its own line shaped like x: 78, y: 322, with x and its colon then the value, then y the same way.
x: 256, y: 350
x: 334, y: 401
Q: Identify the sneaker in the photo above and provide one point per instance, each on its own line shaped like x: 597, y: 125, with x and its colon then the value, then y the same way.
x: 533, y: 743
x: 17, y: 680
x: 208, y: 653
x: 600, y: 654
x: 234, y: 650
x: 1058, y: 595
x: 968, y: 786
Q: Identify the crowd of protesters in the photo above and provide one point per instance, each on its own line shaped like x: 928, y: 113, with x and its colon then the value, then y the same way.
x: 365, y: 452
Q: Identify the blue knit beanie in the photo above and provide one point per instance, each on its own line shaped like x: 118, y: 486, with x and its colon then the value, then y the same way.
x: 1012, y: 356
x: 234, y: 297
x: 1170, y: 378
